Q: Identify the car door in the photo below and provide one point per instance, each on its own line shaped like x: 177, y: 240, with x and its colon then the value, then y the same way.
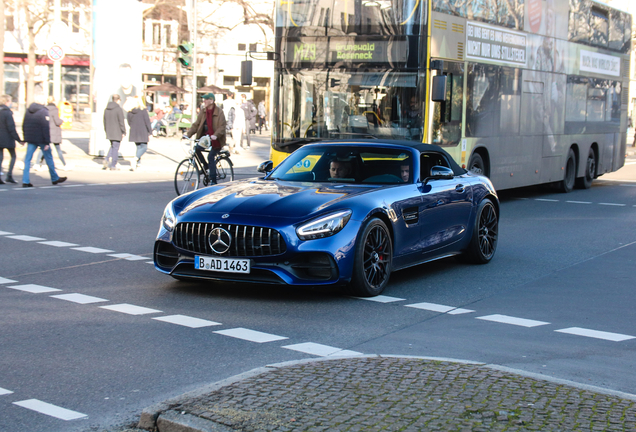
x: 445, y: 208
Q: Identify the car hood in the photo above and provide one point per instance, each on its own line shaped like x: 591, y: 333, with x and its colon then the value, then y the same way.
x: 269, y: 198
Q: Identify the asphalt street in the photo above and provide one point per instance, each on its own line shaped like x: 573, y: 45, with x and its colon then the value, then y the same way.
x: 92, y: 332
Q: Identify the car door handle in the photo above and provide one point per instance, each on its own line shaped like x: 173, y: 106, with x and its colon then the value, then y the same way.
x: 459, y: 188
x: 439, y: 203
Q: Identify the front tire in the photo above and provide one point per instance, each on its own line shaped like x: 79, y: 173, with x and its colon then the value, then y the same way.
x: 187, y: 177
x: 224, y: 170
x: 569, y: 176
x: 476, y: 165
x: 483, y: 243
x: 585, y: 182
x: 373, y: 260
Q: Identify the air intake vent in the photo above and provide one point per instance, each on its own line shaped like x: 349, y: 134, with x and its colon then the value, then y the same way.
x: 460, y: 51
x: 457, y: 28
x: 439, y: 24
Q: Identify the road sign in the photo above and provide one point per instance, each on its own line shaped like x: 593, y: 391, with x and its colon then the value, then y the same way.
x: 55, y: 53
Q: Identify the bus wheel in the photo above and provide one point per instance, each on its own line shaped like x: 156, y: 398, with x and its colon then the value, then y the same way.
x: 585, y: 182
x: 569, y: 176
x: 476, y: 164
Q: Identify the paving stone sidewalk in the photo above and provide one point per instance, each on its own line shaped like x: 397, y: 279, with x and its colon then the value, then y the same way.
x: 393, y: 394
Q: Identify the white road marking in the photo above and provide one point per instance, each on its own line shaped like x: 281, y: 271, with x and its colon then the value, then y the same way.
x: 5, y: 280
x: 50, y: 409
x: 505, y: 319
x: 97, y: 184
x: 73, y: 185
x: 79, y: 298
x: 57, y: 243
x: 616, y: 337
x: 5, y: 391
x: 34, y: 289
x: 130, y: 309
x: 546, y: 200
x: 49, y: 187
x: 612, y: 204
x: 3, y: 190
x: 250, y: 335
x: 381, y: 299
x: 25, y: 238
x: 150, y: 262
x: 5, y: 233
x: 451, y: 310
x: 320, y: 350
x: 92, y: 250
x: 579, y: 202
x: 129, y: 257
x: 187, y: 321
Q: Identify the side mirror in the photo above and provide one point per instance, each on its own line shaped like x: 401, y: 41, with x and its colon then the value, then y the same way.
x: 265, y: 167
x: 439, y: 173
x: 438, y: 92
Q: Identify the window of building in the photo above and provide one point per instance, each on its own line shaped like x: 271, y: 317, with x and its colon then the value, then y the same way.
x: 8, y: 23
x: 253, y: 47
x: 229, y: 80
x: 241, y: 47
x: 72, y: 20
x: 156, y: 34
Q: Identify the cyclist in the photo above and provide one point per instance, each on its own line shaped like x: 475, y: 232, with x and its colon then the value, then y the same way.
x: 210, y: 121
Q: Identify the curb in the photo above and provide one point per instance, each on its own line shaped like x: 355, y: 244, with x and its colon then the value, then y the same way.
x: 164, y: 418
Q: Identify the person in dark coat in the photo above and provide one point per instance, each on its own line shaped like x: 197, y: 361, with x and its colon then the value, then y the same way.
x: 55, y: 130
x: 140, y: 128
x: 36, y: 131
x: 115, y: 130
x: 8, y: 136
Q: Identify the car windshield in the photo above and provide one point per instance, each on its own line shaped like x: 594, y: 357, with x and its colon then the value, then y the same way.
x: 342, y: 164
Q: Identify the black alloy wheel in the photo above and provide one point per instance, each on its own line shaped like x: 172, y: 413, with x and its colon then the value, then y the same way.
x: 373, y: 262
x: 585, y: 182
x: 569, y: 176
x: 483, y: 244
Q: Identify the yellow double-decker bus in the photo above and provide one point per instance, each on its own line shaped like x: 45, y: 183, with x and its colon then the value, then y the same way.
x: 524, y: 91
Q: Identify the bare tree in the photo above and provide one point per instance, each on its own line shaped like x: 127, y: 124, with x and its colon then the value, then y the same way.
x: 254, y: 12
x: 37, y: 15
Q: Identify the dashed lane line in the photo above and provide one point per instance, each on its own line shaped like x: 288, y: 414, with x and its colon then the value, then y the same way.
x: 579, y: 202
x: 451, y: 310
x: 320, y: 350
x: 33, y: 288
x: 93, y: 250
x: 50, y: 409
x: 130, y: 309
x: 505, y: 319
x: 79, y: 298
x: 612, y: 204
x: 129, y: 257
x: 250, y: 335
x: 5, y: 233
x: 57, y: 243
x: 615, y: 337
x: 187, y: 321
x: 5, y: 391
x: 5, y: 280
x: 377, y: 299
x: 25, y: 238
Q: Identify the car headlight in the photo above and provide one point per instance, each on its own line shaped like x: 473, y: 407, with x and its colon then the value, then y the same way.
x: 325, y: 226
x: 168, y: 220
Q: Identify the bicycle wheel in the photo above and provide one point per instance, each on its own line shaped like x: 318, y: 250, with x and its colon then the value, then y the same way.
x: 224, y: 170
x: 187, y: 177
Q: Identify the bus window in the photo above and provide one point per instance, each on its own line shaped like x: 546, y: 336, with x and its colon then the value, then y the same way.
x: 482, y: 104
x: 532, y: 109
x: 447, y: 115
x: 510, y: 101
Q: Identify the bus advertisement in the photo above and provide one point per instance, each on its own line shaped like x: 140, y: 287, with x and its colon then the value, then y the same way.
x: 524, y: 91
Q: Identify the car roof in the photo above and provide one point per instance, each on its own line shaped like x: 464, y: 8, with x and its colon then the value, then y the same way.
x: 420, y: 147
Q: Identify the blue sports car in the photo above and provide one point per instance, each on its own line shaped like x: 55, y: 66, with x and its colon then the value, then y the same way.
x: 339, y: 213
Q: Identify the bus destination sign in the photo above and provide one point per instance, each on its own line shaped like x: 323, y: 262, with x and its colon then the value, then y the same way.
x: 345, y: 50
x: 484, y: 42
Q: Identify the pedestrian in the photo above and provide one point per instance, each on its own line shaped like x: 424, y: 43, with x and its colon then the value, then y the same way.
x: 36, y: 131
x: 253, y: 116
x: 238, y: 129
x: 140, y: 129
x: 210, y: 122
x: 250, y: 118
x: 262, y: 114
x: 115, y: 129
x: 8, y: 136
x: 55, y: 130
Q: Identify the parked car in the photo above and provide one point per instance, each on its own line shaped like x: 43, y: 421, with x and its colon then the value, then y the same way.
x: 345, y: 213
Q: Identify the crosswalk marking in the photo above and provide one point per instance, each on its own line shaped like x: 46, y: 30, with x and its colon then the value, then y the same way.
x: 451, y: 310
x: 92, y: 250
x: 4, y: 391
x: 129, y: 257
x: 33, y: 288
x: 250, y: 335
x: 505, y: 319
x: 5, y: 280
x: 79, y: 298
x: 25, y: 238
x: 130, y: 309
x: 5, y: 233
x: 615, y: 337
x: 50, y: 409
x: 381, y: 299
x: 57, y: 243
x: 320, y: 350
x: 187, y: 321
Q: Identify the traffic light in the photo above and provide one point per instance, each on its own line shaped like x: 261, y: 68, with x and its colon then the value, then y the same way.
x: 185, y: 54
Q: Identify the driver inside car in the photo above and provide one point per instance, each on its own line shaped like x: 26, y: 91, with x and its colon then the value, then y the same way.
x: 339, y: 169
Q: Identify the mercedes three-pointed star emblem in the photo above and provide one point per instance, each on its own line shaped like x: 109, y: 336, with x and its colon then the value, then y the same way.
x: 219, y: 240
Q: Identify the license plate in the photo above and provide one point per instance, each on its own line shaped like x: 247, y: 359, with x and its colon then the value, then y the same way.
x: 226, y: 265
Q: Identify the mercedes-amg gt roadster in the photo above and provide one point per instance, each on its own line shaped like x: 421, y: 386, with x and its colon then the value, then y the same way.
x: 334, y: 213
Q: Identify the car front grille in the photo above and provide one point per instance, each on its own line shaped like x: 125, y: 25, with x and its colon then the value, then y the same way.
x: 247, y: 240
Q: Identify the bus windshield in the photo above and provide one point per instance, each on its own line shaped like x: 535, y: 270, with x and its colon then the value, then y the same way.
x: 345, y: 104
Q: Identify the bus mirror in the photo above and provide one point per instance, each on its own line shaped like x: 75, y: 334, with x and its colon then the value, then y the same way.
x: 246, y: 73
x: 439, y: 88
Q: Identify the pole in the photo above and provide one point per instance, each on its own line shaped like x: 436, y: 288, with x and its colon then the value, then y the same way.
x: 57, y: 65
x: 194, y: 58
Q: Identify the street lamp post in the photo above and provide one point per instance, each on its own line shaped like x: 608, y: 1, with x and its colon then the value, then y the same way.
x: 194, y: 58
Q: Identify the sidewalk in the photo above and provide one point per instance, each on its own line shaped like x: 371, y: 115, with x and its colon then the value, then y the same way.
x: 385, y: 393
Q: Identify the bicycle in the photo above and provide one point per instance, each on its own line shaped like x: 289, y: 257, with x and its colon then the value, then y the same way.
x: 190, y: 173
